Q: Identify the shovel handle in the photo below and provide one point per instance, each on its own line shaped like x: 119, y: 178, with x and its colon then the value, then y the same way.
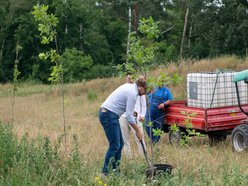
x: 145, y: 153
x: 143, y: 146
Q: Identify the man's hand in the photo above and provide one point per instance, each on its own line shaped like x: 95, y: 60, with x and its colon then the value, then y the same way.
x: 139, y: 134
x: 138, y: 131
x: 161, y: 106
x: 141, y: 119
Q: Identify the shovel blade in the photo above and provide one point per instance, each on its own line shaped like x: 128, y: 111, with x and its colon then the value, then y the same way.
x: 158, y: 168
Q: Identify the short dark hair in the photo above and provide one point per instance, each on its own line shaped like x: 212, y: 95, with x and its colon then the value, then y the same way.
x: 141, y: 82
x: 128, y: 73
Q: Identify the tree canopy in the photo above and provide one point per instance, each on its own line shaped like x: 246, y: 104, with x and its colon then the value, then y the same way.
x: 92, y: 35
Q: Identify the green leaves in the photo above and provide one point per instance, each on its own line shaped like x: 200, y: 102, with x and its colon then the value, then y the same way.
x: 176, y: 79
x: 42, y: 56
x: 157, y: 132
x: 75, y: 64
x: 189, y: 132
x: 99, y: 29
x: 141, y: 54
x: 47, y: 23
x: 56, y: 73
x: 162, y: 80
x: 52, y: 54
x: 150, y: 124
x: 149, y: 28
x: 174, y: 128
x: 16, y: 73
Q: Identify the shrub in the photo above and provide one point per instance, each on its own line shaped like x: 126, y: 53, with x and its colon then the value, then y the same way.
x: 37, y: 161
x: 92, y: 95
x: 7, y: 148
x: 100, y: 71
x: 75, y: 64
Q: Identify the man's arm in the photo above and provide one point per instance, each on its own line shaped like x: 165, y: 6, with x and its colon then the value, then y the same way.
x: 130, y: 109
x: 138, y: 131
x: 169, y: 98
x: 130, y: 118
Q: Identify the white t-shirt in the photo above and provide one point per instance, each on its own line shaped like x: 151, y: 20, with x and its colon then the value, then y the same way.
x: 122, y: 100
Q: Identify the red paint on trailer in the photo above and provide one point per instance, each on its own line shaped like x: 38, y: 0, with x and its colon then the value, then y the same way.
x: 211, y: 119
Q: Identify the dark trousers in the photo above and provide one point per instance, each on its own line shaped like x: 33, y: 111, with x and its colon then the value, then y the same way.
x: 157, y: 119
x: 111, y: 126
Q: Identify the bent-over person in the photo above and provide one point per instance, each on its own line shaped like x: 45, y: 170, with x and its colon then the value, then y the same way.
x: 121, y: 100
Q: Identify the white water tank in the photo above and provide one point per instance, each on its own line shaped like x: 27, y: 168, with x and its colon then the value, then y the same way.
x: 211, y: 90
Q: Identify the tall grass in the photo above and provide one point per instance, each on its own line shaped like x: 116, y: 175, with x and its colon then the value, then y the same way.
x: 31, y: 153
x: 38, y: 162
x: 24, y: 89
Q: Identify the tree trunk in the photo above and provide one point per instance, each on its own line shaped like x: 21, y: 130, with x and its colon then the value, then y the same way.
x: 246, y: 55
x: 129, y: 29
x: 1, y: 50
x: 80, y: 35
x: 61, y: 78
x: 136, y: 17
x: 66, y: 29
x: 184, y: 32
x: 190, y: 33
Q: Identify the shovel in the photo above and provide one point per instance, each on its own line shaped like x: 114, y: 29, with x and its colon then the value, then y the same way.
x: 152, y: 170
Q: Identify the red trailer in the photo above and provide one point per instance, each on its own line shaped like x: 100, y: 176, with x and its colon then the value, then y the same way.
x: 217, y: 123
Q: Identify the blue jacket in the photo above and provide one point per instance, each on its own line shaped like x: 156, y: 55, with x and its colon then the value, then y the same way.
x: 160, y: 95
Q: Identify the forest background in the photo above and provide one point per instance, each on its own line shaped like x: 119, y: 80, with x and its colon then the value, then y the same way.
x: 92, y: 38
x: 92, y: 35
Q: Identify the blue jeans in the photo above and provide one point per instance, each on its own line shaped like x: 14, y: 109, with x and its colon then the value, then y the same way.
x: 157, y: 121
x: 111, y: 126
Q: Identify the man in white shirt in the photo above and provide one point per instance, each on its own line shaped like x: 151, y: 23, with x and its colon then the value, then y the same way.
x: 139, y: 114
x: 121, y: 101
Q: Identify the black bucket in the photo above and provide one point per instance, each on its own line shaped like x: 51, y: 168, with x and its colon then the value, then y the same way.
x: 165, y: 169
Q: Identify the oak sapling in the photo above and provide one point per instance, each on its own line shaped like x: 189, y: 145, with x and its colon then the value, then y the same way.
x: 47, y: 24
x: 140, y: 57
x: 184, y: 137
x: 16, y: 73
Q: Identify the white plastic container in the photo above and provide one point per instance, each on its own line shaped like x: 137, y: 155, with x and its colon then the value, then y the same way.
x: 211, y: 90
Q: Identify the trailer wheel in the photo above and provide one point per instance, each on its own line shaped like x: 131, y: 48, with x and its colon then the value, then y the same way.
x: 240, y: 137
x: 174, y: 137
x: 216, y: 138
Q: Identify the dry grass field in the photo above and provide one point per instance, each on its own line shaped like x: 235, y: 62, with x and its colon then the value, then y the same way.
x: 38, y: 112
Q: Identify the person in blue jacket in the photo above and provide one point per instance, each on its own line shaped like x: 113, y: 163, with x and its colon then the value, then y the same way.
x: 158, y: 99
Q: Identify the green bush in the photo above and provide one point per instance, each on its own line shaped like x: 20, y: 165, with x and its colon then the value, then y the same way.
x: 75, y: 64
x: 7, y: 148
x: 100, y: 71
x: 92, y: 95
